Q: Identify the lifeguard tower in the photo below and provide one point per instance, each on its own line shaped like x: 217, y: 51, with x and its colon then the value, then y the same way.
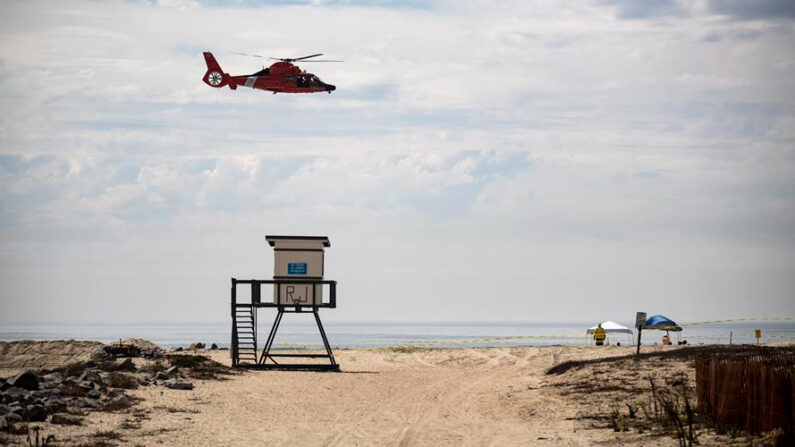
x: 297, y: 288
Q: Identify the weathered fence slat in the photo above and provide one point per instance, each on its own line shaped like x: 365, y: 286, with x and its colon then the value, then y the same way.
x: 749, y: 392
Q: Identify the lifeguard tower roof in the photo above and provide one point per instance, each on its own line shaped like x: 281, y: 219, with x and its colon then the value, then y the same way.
x: 272, y: 239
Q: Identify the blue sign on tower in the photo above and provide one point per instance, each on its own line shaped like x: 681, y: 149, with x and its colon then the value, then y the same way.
x: 296, y: 268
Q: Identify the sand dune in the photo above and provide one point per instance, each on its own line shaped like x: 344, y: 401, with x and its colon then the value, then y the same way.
x: 18, y: 356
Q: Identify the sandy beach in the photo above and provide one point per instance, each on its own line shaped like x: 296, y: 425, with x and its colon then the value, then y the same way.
x: 409, y: 397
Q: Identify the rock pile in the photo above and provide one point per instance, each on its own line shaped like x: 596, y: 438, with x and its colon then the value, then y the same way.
x: 32, y: 397
x: 122, y: 349
x: 168, y: 379
x: 63, y: 395
x: 199, y: 346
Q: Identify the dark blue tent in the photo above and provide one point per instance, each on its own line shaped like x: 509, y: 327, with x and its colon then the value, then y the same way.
x: 662, y: 323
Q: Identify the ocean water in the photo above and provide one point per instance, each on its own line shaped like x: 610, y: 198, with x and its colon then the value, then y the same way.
x: 302, y: 332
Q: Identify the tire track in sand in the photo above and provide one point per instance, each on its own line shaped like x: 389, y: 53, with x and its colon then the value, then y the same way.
x: 462, y: 401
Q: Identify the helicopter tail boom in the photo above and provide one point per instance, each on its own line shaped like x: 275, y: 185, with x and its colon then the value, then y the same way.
x: 215, y: 76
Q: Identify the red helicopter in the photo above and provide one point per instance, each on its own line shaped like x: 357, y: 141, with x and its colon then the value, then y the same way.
x: 281, y: 77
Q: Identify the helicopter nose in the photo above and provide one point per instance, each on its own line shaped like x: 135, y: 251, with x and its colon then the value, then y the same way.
x: 330, y: 88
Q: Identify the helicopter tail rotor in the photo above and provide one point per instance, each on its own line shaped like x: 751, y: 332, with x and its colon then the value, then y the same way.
x: 215, y: 76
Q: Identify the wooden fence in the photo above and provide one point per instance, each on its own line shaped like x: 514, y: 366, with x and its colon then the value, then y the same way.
x: 751, y: 392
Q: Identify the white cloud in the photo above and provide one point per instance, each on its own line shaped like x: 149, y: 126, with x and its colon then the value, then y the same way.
x: 571, y: 144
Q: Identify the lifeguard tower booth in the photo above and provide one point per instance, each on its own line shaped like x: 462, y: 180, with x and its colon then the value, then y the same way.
x: 297, y: 287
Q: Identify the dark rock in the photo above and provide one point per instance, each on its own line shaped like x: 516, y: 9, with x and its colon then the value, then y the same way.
x: 4, y: 409
x: 35, y: 413
x: 4, y: 386
x: 53, y: 377
x: 178, y: 349
x: 94, y: 394
x: 43, y: 394
x: 90, y: 385
x: 101, y: 356
x: 126, y: 365
x: 89, y: 403
x: 171, y: 371
x: 28, y: 380
x: 4, y: 425
x: 55, y: 405
x: 118, y: 403
x: 160, y: 375
x: 66, y: 419
x: 178, y: 385
x: 195, y: 346
x: 91, y: 376
x: 129, y: 350
x: 16, y: 394
x: 13, y: 418
x: 113, y: 392
x: 214, y: 347
x: 123, y: 380
x: 71, y: 388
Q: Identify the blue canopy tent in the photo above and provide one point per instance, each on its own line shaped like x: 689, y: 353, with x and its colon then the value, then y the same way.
x: 661, y: 323
x: 658, y: 322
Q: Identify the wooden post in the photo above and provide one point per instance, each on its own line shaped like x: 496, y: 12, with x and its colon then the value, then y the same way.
x: 637, y: 351
x: 640, y: 321
x: 731, y: 336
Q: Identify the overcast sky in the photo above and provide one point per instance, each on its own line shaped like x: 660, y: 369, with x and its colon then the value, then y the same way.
x: 479, y: 160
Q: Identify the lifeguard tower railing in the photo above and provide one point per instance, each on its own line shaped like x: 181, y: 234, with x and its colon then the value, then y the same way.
x: 244, y: 323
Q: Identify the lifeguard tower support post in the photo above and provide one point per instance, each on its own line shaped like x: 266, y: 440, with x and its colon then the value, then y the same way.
x: 297, y: 288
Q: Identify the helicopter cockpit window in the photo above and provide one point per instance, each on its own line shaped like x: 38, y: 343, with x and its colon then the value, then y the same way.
x: 302, y: 81
x: 316, y: 80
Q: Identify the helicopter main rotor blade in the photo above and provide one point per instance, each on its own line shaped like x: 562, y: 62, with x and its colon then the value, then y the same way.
x: 307, y: 57
x: 251, y: 55
x: 288, y: 59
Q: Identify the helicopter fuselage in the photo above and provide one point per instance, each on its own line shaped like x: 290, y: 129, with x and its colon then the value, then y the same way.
x: 283, y: 77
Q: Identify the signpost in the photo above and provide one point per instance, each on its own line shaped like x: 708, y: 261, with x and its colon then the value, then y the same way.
x: 640, y: 321
x: 757, y: 334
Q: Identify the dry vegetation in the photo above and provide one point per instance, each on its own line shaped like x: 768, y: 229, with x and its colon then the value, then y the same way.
x: 649, y: 395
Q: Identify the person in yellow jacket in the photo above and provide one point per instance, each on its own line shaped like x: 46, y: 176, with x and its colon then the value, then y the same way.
x: 599, y: 335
